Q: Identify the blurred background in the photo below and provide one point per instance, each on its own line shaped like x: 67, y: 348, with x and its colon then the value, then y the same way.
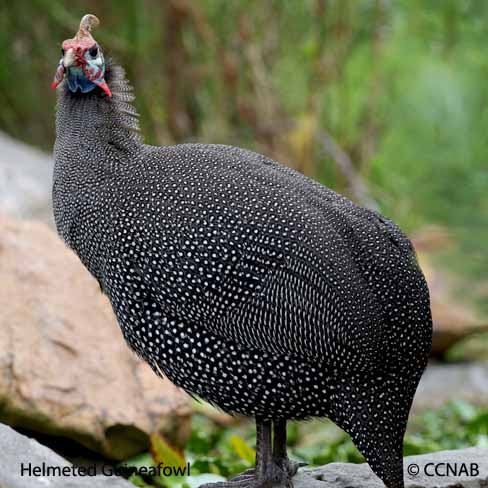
x: 385, y: 101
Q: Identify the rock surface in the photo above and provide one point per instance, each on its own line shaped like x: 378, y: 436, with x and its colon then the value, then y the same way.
x: 19, y: 451
x: 25, y: 180
x: 340, y: 475
x: 65, y: 369
x: 443, y: 382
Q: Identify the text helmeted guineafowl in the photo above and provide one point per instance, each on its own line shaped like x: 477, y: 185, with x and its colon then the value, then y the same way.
x: 241, y: 280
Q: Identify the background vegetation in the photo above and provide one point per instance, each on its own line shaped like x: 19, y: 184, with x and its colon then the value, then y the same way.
x: 391, y: 91
x: 384, y: 100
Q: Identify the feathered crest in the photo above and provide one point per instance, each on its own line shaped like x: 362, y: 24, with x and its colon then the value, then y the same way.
x: 124, y: 113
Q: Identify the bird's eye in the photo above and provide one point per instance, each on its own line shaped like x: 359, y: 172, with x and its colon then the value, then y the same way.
x: 93, y: 51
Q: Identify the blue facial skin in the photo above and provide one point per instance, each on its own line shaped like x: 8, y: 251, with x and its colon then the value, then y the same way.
x: 77, y: 81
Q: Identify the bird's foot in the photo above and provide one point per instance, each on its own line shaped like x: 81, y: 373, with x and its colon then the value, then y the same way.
x: 244, y: 480
x: 276, y: 475
x: 288, y: 466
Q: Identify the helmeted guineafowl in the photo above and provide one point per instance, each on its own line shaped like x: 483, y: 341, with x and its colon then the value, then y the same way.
x: 241, y: 280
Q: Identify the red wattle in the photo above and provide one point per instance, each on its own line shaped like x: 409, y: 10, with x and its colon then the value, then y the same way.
x: 105, y: 88
x: 54, y: 84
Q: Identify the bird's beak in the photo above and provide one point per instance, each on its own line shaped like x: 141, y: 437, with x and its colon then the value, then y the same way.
x: 66, y: 61
x: 69, y: 58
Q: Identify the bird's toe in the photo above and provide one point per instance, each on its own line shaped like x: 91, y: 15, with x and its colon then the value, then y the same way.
x: 274, y: 476
x: 245, y: 475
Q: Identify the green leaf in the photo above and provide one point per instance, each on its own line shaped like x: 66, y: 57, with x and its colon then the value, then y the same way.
x: 479, y: 422
x: 163, y: 452
x: 144, y: 459
x: 173, y: 481
x: 246, y: 453
x: 464, y: 409
x: 137, y: 480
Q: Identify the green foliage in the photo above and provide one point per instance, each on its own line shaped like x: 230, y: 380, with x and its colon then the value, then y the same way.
x: 163, y: 452
x: 454, y: 426
x: 472, y: 348
x: 401, y: 87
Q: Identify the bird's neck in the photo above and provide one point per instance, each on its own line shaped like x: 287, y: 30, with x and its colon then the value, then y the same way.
x: 96, y: 139
x: 93, y: 119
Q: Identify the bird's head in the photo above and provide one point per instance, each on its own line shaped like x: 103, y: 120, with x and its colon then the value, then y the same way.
x: 82, y: 60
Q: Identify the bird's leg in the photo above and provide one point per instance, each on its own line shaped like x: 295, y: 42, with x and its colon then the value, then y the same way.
x: 279, y: 440
x: 267, y: 473
x: 259, y: 476
x: 264, y: 452
x: 280, y: 456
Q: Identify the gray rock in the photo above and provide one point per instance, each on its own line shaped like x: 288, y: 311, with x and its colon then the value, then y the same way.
x: 17, y: 451
x: 443, y: 382
x: 466, y: 461
x: 25, y: 180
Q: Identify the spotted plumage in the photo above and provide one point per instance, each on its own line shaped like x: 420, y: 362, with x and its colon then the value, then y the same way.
x: 243, y: 281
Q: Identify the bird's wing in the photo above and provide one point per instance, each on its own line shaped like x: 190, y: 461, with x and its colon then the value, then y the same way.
x: 267, y: 258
